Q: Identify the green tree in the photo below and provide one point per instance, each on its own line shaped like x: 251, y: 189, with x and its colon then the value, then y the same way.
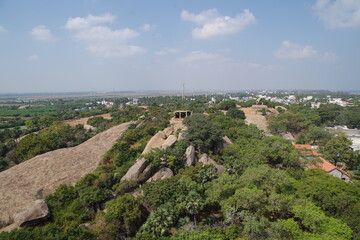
x: 202, y: 133
x: 236, y: 113
x: 314, y: 135
x: 293, y: 122
x: 336, y: 197
x: 159, y: 222
x: 226, y: 105
x: 338, y: 149
x: 98, y: 122
x: 126, y: 210
x: 325, y: 227
x: 192, y: 204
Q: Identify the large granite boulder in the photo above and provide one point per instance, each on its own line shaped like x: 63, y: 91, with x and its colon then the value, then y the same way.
x: 37, y: 213
x: 155, y: 142
x: 168, y: 131
x: 205, y: 160
x: 148, y: 171
x: 135, y: 170
x: 226, y: 141
x: 163, y: 173
x: 169, y: 142
x: 190, y: 156
x: 182, y: 133
x: 288, y: 136
x: 89, y: 127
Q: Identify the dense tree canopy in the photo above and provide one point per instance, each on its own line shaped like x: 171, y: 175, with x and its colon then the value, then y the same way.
x: 201, y: 133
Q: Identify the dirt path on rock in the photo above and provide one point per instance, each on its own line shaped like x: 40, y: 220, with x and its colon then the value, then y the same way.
x: 255, y: 117
x: 22, y: 184
x: 74, y: 122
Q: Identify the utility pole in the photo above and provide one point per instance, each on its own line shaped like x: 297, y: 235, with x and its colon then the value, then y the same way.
x: 183, y: 85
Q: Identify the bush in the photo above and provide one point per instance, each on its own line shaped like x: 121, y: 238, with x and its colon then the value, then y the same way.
x: 236, y: 113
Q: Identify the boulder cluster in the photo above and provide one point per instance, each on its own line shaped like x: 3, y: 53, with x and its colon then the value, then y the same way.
x: 142, y: 170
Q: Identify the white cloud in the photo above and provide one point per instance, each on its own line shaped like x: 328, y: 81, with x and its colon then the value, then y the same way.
x: 329, y: 56
x: 102, y: 41
x: 199, y: 56
x: 261, y: 67
x: 82, y: 23
x: 2, y: 29
x: 338, y: 13
x: 101, y: 33
x: 212, y: 24
x: 148, y: 27
x: 41, y: 33
x: 115, y: 50
x: 167, y: 51
x: 33, y: 57
x: 225, y: 50
x: 289, y: 50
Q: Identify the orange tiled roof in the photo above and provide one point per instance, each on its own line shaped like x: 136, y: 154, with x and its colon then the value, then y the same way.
x: 324, y: 164
x: 306, y: 146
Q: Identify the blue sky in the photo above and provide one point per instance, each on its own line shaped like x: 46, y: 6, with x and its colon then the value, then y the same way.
x: 93, y: 45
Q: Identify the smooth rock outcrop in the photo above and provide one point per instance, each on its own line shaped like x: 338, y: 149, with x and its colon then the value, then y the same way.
x: 169, y: 142
x: 148, y: 171
x: 190, y: 156
x: 205, y: 160
x: 136, y: 169
x: 37, y: 213
x: 168, y: 131
x: 163, y: 173
x: 155, y: 142
x: 20, y: 184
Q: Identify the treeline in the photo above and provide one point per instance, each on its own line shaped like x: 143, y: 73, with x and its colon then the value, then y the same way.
x: 299, y: 118
x: 50, y: 138
x: 308, y: 127
x: 11, y: 122
x: 47, y: 133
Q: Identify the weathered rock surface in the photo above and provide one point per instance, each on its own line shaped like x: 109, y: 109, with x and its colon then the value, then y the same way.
x: 155, y: 142
x: 169, y: 142
x: 163, y: 173
x: 226, y: 141
x: 38, y: 212
x: 148, y: 171
x: 205, y: 160
x: 89, y: 127
x: 182, y: 133
x: 288, y: 136
x: 19, y: 185
x: 168, y: 131
x: 136, y: 169
x: 190, y: 156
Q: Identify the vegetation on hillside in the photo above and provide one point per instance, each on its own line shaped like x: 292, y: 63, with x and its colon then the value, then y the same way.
x: 264, y: 192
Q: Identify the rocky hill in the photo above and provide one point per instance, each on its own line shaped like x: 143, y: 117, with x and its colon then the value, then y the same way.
x: 23, y: 187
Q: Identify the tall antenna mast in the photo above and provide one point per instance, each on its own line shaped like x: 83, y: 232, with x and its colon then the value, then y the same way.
x: 183, y: 91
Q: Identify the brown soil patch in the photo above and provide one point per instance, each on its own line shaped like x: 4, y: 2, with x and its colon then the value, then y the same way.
x: 255, y: 117
x: 74, y: 122
x: 135, y: 145
x: 20, y: 184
